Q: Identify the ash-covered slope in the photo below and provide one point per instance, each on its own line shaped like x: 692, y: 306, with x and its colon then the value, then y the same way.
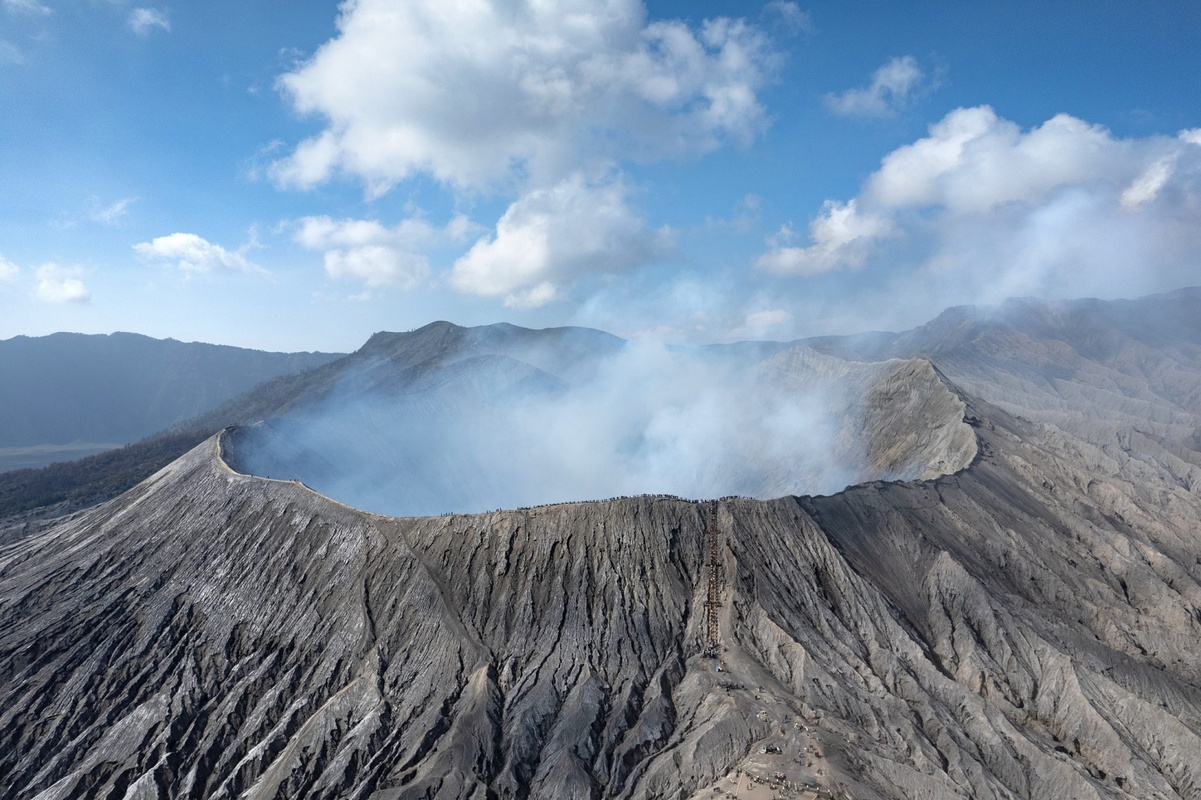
x: 1096, y: 368
x: 898, y: 419
x: 1025, y: 628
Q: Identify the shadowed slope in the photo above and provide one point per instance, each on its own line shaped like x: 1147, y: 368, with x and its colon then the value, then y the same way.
x: 70, y: 387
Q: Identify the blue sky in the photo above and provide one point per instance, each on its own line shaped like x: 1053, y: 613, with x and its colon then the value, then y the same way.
x: 698, y: 171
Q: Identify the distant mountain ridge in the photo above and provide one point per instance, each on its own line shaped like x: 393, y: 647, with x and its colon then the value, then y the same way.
x: 121, y: 387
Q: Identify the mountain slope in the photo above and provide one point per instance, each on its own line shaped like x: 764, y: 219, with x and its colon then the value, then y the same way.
x: 1129, y: 363
x: 1025, y: 628
x: 1024, y: 621
x: 120, y: 388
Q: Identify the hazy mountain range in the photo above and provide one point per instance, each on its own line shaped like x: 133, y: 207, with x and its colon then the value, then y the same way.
x: 68, y: 395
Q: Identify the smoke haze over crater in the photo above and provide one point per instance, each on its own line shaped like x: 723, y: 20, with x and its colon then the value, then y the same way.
x: 491, y: 431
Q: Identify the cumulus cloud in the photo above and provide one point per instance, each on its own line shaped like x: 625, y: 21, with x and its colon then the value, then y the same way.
x: 30, y: 7
x: 891, y: 87
x: 842, y: 236
x: 549, y: 238
x: 538, y: 102
x: 974, y: 160
x: 143, y: 21
x: 193, y: 254
x: 986, y: 209
x: 376, y: 254
x: 61, y: 285
x: 479, y: 94
x: 8, y: 270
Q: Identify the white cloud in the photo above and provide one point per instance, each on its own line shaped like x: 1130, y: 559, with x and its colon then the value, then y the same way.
x: 1146, y: 187
x: 8, y: 270
x: 378, y: 266
x: 480, y: 94
x: 143, y: 21
x: 985, y: 209
x: 61, y: 285
x: 30, y: 7
x: 790, y: 16
x: 761, y: 323
x: 538, y: 101
x: 842, y: 236
x: 890, y: 89
x: 10, y: 53
x: 549, y: 238
x: 974, y: 160
x: 533, y: 297
x: 110, y: 214
x: 192, y: 254
x: 376, y: 254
